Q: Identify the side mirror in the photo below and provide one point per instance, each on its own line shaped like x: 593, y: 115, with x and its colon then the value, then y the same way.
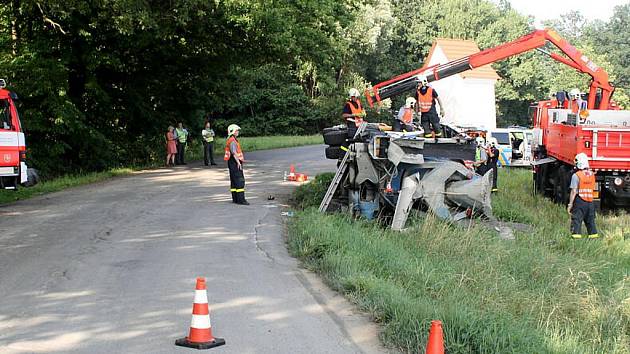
x: 13, y: 96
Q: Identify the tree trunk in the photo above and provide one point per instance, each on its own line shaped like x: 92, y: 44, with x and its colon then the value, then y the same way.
x: 15, y: 7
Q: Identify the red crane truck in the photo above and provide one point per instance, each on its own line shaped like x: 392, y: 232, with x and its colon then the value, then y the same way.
x: 599, y: 129
x: 13, y: 169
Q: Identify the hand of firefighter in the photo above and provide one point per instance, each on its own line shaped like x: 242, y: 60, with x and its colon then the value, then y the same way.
x: 362, y: 114
x: 239, y: 164
x: 569, y: 207
x: 442, y: 112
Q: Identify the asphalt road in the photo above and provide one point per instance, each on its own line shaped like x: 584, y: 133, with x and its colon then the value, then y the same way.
x: 111, y: 267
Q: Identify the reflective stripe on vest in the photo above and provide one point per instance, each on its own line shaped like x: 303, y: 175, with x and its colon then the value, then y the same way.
x: 586, y: 185
x: 407, y: 116
x: 356, y: 110
x: 477, y: 154
x: 228, y: 153
x: 425, y: 101
x: 181, y: 135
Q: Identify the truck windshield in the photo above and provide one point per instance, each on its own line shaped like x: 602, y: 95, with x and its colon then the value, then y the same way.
x: 5, y: 115
x: 502, y: 138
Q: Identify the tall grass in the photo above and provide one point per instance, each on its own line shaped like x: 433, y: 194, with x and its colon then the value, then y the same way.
x: 193, y: 152
x: 542, y: 293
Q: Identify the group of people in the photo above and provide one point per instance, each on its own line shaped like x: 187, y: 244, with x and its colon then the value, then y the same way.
x: 487, y: 158
x: 423, y: 104
x: 177, y: 140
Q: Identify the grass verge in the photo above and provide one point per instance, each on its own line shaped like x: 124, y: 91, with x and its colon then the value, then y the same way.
x: 543, y: 293
x: 194, y: 152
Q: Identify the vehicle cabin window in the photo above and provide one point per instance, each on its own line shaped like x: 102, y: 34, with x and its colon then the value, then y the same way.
x: 530, y: 138
x: 502, y: 138
x: 5, y: 115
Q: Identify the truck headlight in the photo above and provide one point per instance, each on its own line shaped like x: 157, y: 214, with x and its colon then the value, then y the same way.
x: 618, y: 181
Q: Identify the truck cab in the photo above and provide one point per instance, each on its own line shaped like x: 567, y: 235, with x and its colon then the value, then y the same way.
x: 13, y: 169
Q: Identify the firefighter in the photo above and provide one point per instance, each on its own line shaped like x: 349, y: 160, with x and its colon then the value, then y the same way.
x: 426, y: 97
x: 181, y: 137
x: 353, y: 112
x: 207, y: 135
x: 581, y: 206
x: 577, y: 103
x: 481, y: 156
x: 235, y: 159
x: 493, y: 159
x: 404, y: 121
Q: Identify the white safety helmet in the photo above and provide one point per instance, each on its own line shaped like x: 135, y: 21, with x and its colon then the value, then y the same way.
x: 574, y: 94
x: 492, y: 141
x: 353, y: 92
x: 410, y: 102
x: 581, y: 161
x: 232, y: 128
x: 480, y: 141
x: 422, y: 79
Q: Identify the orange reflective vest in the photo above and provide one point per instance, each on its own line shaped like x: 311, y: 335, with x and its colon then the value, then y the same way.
x: 425, y: 101
x: 586, y: 185
x: 228, y: 153
x: 356, y: 110
x: 407, y: 116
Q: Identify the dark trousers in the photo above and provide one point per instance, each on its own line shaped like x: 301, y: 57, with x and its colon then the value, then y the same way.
x: 179, y: 157
x: 582, y: 211
x: 428, y: 120
x: 495, y: 175
x: 482, y: 169
x: 208, y: 152
x: 237, y: 181
x: 400, y: 126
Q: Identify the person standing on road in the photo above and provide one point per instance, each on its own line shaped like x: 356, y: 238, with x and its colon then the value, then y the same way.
x: 235, y: 159
x: 207, y: 135
x: 481, y: 156
x: 581, y: 206
x: 171, y: 146
x: 181, y: 136
x: 353, y: 112
x: 404, y: 121
x: 426, y: 97
x: 493, y: 159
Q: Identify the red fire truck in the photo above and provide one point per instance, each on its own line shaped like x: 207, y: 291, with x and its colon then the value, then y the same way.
x: 13, y: 170
x: 598, y: 128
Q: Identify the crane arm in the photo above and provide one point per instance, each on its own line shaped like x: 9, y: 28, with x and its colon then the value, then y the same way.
x: 535, y: 40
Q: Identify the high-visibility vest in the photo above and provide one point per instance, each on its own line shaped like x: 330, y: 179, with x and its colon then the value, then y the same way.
x: 228, y: 153
x: 356, y: 110
x: 407, y: 116
x: 586, y: 185
x: 478, y: 154
x: 181, y: 135
x: 425, y: 101
x: 207, y: 135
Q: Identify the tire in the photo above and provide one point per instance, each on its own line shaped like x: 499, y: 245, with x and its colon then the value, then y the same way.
x: 561, y: 185
x: 335, y: 137
x: 334, y: 152
x: 32, y: 177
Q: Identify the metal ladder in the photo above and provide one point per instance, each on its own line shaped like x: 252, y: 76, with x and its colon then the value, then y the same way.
x: 341, y: 170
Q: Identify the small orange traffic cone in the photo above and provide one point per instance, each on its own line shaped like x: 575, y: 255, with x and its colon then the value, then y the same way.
x: 291, y: 176
x: 200, y: 336
x: 435, y: 344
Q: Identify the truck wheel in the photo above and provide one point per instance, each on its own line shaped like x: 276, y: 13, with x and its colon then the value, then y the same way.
x: 334, y: 152
x: 335, y: 137
x: 561, y: 185
x: 32, y: 178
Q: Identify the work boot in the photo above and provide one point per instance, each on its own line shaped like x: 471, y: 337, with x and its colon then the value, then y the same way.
x: 240, y: 198
x: 576, y: 236
x: 234, y: 198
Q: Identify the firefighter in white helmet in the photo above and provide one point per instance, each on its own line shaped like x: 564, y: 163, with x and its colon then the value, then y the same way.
x: 576, y: 102
x: 426, y: 97
x: 353, y: 112
x: 493, y: 152
x: 581, y: 206
x: 481, y: 156
x: 404, y: 120
x: 235, y: 159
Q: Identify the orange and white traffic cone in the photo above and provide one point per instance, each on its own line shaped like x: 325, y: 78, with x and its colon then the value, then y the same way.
x: 200, y: 336
x: 291, y: 176
x: 435, y: 345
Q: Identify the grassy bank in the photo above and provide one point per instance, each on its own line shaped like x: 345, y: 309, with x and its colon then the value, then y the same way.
x: 195, y: 152
x: 543, y: 293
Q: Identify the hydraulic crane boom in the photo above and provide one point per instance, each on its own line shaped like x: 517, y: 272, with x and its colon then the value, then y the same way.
x: 535, y: 40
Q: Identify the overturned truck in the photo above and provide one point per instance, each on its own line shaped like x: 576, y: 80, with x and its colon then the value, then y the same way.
x: 384, y: 175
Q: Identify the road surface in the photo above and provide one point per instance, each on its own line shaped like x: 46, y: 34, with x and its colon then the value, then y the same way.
x: 111, y: 267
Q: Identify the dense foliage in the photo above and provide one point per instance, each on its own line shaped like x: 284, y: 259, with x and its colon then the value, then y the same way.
x: 101, y: 80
